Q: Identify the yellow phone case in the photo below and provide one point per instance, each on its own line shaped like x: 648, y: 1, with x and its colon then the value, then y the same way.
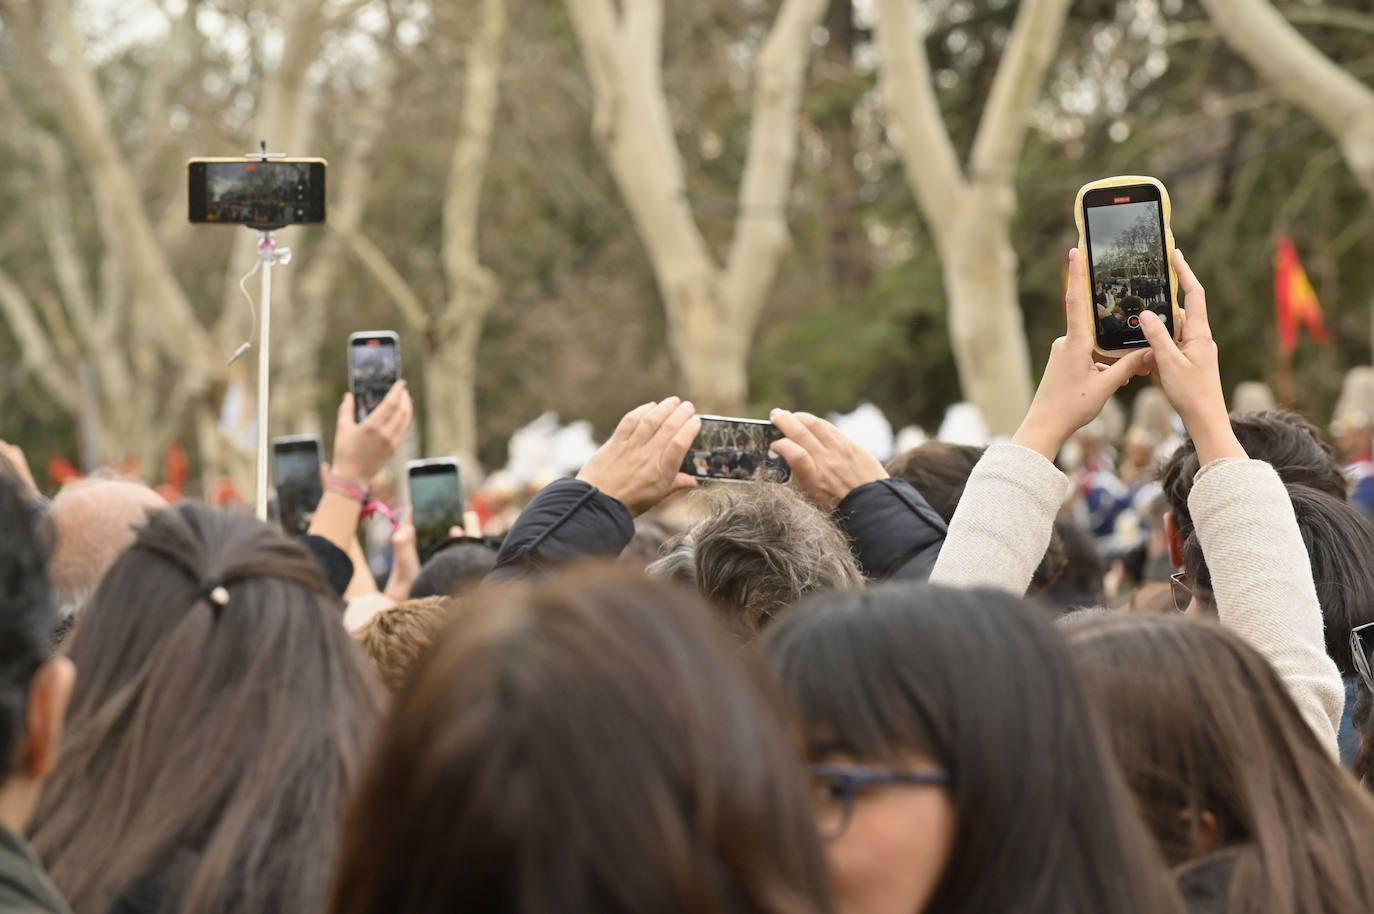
x: 1122, y: 181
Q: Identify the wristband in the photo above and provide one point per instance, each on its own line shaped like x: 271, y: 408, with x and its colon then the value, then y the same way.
x: 345, y: 487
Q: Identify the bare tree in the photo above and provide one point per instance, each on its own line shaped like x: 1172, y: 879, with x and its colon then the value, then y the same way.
x: 969, y: 211
x: 712, y: 308
x: 1312, y: 81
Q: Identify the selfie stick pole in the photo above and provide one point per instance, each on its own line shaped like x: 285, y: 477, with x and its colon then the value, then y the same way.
x: 268, y: 255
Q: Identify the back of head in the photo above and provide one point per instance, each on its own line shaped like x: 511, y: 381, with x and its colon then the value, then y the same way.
x: 95, y: 520
x: 454, y: 570
x: 586, y: 743
x: 395, y: 637
x: 1206, y: 732
x: 939, y: 470
x: 1340, y: 547
x: 981, y: 684
x: 764, y: 548
x: 27, y: 614
x: 220, y: 713
x: 1285, y: 440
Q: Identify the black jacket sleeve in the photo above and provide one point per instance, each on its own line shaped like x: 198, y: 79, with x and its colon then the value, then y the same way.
x: 895, y: 533
x: 333, y: 561
x: 567, y: 520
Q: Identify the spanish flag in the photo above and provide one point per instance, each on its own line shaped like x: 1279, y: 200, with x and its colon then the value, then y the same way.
x: 1294, y: 300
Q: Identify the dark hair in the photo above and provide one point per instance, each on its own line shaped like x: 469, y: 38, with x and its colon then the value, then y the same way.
x: 763, y: 549
x: 230, y: 732
x: 589, y: 742
x: 1079, y: 584
x: 1340, y: 546
x: 453, y: 570
x: 940, y: 470
x: 1201, y: 723
x: 982, y: 684
x: 1284, y: 440
x: 28, y: 609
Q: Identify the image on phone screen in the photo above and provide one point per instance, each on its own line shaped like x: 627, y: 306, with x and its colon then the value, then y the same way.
x: 436, y: 502
x: 373, y: 367
x: 1127, y: 265
x: 736, y: 449
x: 296, y: 476
x: 257, y: 193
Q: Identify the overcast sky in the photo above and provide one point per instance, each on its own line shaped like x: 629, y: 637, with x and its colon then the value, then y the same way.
x: 1105, y: 223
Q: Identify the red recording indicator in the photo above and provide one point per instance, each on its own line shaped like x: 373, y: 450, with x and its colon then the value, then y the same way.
x: 250, y: 168
x: 374, y: 342
x: 1121, y: 199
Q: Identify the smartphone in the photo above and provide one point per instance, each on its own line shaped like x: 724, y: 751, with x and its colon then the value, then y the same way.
x: 436, y: 501
x: 260, y: 193
x: 736, y: 449
x: 1125, y: 241
x: 374, y: 364
x: 296, y: 476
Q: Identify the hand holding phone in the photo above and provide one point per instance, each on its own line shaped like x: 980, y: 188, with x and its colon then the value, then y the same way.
x: 736, y: 450
x: 1075, y: 385
x: 436, y: 501
x: 827, y: 464
x: 362, y: 450
x: 640, y: 464
x: 296, y: 478
x: 1124, y: 237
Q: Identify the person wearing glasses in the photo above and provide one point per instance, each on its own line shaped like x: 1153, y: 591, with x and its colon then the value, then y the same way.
x: 955, y: 762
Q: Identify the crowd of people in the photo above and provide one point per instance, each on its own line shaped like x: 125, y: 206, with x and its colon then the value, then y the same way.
x: 929, y: 686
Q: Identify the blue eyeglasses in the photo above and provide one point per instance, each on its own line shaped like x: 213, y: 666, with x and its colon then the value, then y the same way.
x: 834, y: 788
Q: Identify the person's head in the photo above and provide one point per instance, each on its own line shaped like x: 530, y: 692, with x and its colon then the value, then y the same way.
x: 762, y: 549
x: 939, y: 470
x: 1340, y: 547
x: 34, y: 685
x: 395, y: 637
x: 453, y: 570
x: 590, y: 742
x: 95, y: 521
x: 1352, y: 421
x: 907, y: 679
x: 646, y: 546
x: 1284, y: 440
x: 1218, y: 756
x: 222, y: 710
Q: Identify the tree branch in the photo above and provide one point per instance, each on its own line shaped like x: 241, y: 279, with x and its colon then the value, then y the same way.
x: 761, y: 227
x: 1020, y: 76
x: 386, y: 275
x: 928, y: 157
x: 36, y: 350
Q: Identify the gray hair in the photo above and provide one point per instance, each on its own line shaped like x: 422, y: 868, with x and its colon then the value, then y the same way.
x: 762, y: 549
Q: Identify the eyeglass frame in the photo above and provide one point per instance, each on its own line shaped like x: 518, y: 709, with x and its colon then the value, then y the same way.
x: 1176, y: 583
x: 857, y: 778
x: 1360, y: 655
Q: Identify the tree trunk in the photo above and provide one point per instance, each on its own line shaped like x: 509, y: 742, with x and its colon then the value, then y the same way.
x: 711, y: 350
x: 987, y: 331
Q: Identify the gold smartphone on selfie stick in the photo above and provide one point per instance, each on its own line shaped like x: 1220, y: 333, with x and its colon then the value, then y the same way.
x: 1126, y: 243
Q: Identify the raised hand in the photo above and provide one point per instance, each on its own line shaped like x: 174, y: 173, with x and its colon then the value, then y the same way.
x: 1075, y: 385
x: 1189, y: 371
x: 641, y: 463
x: 825, y: 463
x: 362, y: 450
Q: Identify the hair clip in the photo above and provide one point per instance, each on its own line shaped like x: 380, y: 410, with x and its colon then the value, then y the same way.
x: 216, y: 594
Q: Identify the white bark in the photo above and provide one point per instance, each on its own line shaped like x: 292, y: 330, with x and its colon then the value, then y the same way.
x: 969, y: 214
x: 712, y: 309
x: 1331, y: 96
x: 451, y: 366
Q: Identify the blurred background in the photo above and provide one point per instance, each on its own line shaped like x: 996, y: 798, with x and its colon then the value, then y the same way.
x: 579, y: 206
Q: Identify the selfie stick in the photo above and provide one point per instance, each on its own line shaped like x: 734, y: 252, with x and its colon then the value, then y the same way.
x: 269, y: 255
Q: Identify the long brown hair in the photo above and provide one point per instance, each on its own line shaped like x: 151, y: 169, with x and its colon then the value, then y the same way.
x: 226, y: 735
x: 1201, y: 724
x: 590, y: 743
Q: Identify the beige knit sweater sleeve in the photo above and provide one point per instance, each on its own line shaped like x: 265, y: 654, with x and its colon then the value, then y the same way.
x: 1000, y: 530
x: 1262, y: 581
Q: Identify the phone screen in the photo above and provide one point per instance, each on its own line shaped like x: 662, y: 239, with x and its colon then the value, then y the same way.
x: 267, y: 193
x: 1127, y: 264
x: 436, y: 503
x: 296, y: 475
x: 373, y: 366
x: 738, y: 449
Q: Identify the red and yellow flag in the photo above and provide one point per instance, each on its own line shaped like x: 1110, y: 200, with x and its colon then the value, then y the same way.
x: 1294, y: 300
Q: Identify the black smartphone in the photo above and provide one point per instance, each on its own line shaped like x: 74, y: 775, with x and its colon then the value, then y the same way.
x: 736, y: 449
x: 260, y: 193
x: 436, y: 501
x: 1126, y: 236
x: 374, y: 364
x: 296, y: 476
